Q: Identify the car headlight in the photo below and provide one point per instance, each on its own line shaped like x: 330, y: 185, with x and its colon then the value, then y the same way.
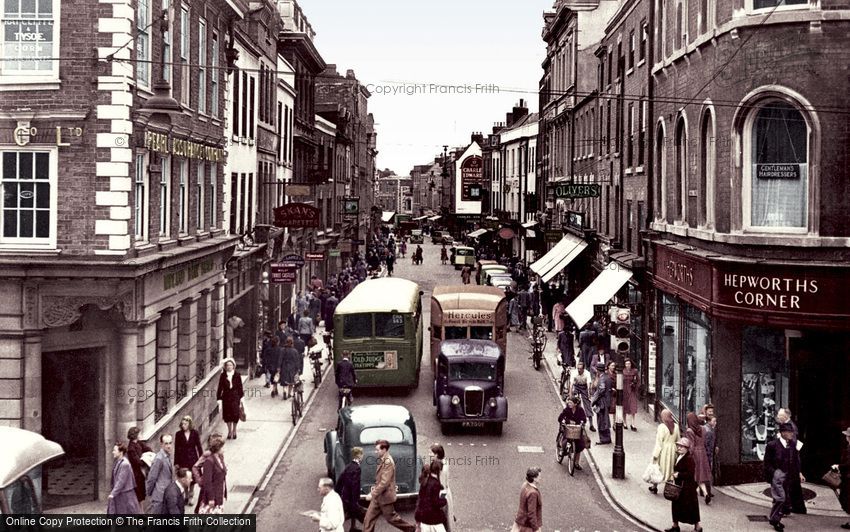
x: 455, y: 400
x: 492, y: 402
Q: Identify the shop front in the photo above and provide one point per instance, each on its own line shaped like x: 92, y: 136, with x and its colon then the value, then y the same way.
x: 751, y: 337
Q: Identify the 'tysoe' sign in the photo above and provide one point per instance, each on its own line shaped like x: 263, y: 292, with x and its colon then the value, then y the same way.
x: 296, y: 215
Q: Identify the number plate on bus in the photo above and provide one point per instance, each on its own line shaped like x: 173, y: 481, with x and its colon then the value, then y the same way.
x: 375, y: 360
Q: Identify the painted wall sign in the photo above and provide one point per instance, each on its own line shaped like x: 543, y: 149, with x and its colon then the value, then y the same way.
x: 193, y: 270
x: 778, y: 171
x: 296, y: 215
x: 471, y: 178
x: 25, y: 134
x: 167, y: 145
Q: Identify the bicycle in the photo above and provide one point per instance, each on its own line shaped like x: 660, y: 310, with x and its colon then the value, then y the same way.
x: 565, y: 447
x: 316, y: 358
x: 328, y: 338
x: 564, y: 381
x: 297, y: 400
x: 538, y: 344
x: 345, y: 398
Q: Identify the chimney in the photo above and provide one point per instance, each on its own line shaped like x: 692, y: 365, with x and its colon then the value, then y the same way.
x: 509, y: 119
x: 519, y: 111
x: 478, y: 137
x: 349, y: 74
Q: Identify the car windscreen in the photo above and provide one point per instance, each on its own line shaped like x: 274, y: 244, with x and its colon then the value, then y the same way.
x: 389, y: 325
x: 483, y: 371
x: 370, y: 435
x: 455, y: 333
x: 465, y: 252
x: 481, y: 332
x: 357, y: 326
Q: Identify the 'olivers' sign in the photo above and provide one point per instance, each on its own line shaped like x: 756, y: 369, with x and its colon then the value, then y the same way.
x: 184, y: 148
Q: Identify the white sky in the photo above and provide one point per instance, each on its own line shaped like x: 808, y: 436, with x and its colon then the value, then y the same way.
x: 402, y: 43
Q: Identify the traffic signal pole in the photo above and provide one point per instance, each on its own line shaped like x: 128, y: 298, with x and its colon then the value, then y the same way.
x: 618, y: 469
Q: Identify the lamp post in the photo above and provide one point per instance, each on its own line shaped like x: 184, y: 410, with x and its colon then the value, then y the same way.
x: 618, y: 468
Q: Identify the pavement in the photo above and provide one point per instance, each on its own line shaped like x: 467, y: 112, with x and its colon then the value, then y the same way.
x: 739, y: 508
x: 250, y: 456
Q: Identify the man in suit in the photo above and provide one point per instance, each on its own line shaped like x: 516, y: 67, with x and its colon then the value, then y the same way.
x: 587, y: 344
x: 795, y: 502
x: 174, y: 498
x: 781, y: 464
x: 344, y: 375
x: 383, y: 494
x: 160, y: 475
x: 348, y: 487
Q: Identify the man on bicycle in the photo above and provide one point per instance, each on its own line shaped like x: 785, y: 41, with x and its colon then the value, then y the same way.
x: 573, y: 414
x: 345, y: 377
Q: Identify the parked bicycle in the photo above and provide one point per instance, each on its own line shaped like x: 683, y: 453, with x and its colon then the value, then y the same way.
x: 297, y: 400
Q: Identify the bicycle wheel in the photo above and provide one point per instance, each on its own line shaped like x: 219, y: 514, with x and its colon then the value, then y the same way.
x: 559, y: 450
x: 571, y: 458
x: 300, y: 404
x: 562, y: 385
x: 294, y: 408
x: 536, y: 359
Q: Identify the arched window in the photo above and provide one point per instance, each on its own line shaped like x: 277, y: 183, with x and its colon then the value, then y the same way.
x: 660, y: 175
x: 707, y: 169
x: 681, y: 179
x: 776, y: 168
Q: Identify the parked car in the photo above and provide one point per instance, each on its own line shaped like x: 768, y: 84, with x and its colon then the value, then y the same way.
x: 503, y: 282
x: 469, y: 387
x: 463, y: 256
x: 362, y: 426
x: 24, y: 453
x: 437, y: 236
x: 448, y: 239
x: 416, y: 236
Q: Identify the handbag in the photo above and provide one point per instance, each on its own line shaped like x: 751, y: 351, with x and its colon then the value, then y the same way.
x: 653, y: 474
x: 242, y: 416
x: 672, y: 490
x: 832, y: 479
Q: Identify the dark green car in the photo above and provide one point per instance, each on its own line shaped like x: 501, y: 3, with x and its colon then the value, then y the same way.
x: 362, y: 426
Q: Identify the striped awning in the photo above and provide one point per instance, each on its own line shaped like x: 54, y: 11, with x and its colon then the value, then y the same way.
x: 477, y: 233
x: 558, y: 257
x: 599, y: 292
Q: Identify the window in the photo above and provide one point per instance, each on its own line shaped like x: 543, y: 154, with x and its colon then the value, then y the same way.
x: 166, y: 46
x: 681, y: 169
x: 610, y: 67
x: 244, y: 100
x: 776, y: 176
x: 357, y: 326
x: 214, y: 76
x: 389, y: 325
x: 660, y: 30
x: 631, y: 49
x: 232, y: 200
x: 372, y: 434
x: 707, y: 160
x: 213, y: 196
x: 630, y: 147
x: 185, y: 25
x: 641, y: 131
x: 202, y: 66
x: 681, y: 24
x: 769, y: 4
x: 608, y: 127
x: 143, y: 43
x: 31, y: 33
x: 140, y: 199
x: 28, y: 202
x: 242, y: 203
x: 630, y: 225
x: 280, y: 134
x: 199, y: 198
x: 643, y: 37
x: 249, y: 222
x: 479, y: 371
x: 183, y: 212
x: 236, y: 105
x: 481, y: 332
x: 660, y: 173
x: 165, y: 198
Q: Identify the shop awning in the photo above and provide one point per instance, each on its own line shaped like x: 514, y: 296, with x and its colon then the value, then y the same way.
x: 324, y: 241
x: 420, y: 218
x: 558, y: 257
x: 434, y: 218
x: 387, y: 216
x: 529, y: 225
x: 477, y: 233
x: 600, y: 291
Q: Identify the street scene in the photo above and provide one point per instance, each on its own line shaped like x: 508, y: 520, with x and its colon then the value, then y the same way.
x: 348, y: 265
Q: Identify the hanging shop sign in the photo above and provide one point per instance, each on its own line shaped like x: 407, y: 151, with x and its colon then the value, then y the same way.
x: 298, y: 190
x: 315, y: 256
x: 778, y: 171
x: 167, y: 145
x: 296, y: 215
x: 293, y: 260
x: 506, y: 233
x: 282, y: 273
x: 471, y: 178
x: 570, y: 191
x: 350, y: 206
x: 334, y: 252
x: 552, y: 236
x: 575, y: 220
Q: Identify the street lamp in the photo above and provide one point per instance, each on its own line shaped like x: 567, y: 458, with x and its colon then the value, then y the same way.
x: 618, y: 466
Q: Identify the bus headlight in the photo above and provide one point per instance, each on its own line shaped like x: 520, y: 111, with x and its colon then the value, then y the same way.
x: 455, y: 400
x: 492, y: 402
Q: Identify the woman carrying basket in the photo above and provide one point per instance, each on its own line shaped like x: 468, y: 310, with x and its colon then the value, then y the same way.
x: 573, y: 414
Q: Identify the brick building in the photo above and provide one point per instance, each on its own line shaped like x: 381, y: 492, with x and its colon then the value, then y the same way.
x: 114, y: 243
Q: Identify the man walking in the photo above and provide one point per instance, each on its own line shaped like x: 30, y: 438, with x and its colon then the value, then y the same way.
x: 601, y: 402
x: 331, y: 517
x: 160, y: 475
x: 529, y: 516
x: 348, y: 488
x: 781, y: 463
x: 174, y: 498
x: 794, y: 502
x: 383, y: 494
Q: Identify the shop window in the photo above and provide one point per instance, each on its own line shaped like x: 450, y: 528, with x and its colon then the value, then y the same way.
x: 776, y: 176
x: 31, y: 36
x: 669, y: 346
x: 764, y: 388
x: 697, y: 359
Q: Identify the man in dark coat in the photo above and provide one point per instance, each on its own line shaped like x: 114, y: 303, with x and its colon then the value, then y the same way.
x: 795, y: 502
x: 174, y: 498
x: 587, y: 344
x: 344, y: 375
x: 161, y: 474
x: 602, y: 401
x: 330, y: 306
x: 566, y: 347
x: 547, y: 301
x: 781, y: 463
x: 348, y: 487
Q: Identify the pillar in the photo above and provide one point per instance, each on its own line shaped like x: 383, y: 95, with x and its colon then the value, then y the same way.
x: 146, y: 350
x: 166, y: 362
x: 187, y: 345
x: 32, y: 413
x: 11, y: 381
x: 125, y: 396
x: 217, y: 325
x: 204, y: 342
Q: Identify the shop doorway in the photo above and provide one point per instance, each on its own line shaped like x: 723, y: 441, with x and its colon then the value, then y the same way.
x: 820, y: 401
x: 71, y: 408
